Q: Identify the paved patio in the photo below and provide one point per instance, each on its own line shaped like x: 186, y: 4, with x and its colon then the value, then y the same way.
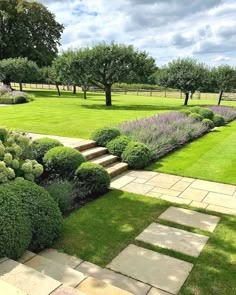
x: 198, y: 193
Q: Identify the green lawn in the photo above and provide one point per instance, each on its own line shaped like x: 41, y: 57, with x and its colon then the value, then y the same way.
x: 101, y: 229
x: 73, y: 116
x: 211, y: 157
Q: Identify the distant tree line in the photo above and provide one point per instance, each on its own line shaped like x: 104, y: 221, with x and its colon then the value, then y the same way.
x: 29, y: 39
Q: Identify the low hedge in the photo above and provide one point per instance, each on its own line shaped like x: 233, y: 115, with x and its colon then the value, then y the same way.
x: 137, y: 155
x: 92, y: 180
x: 63, y: 161
x: 42, y: 211
x: 15, y: 225
x: 218, y: 120
x: 204, y: 112
x: 42, y: 145
x: 104, y: 135
x: 209, y: 123
x: 117, y: 146
x: 196, y: 117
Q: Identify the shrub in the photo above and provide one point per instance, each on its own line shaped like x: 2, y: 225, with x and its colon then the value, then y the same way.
x: 118, y: 145
x: 196, y: 117
x: 63, y: 192
x: 91, y: 180
x: 41, y: 146
x: 185, y: 112
x: 228, y: 113
x: 104, y: 135
x: 206, y: 113
x: 7, y: 96
x: 209, y: 123
x: 137, y: 155
x: 15, y: 225
x: 195, y: 109
x: 44, y: 214
x: 63, y: 161
x: 218, y: 120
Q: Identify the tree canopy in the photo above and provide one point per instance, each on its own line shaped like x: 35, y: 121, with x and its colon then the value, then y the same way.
x: 28, y: 29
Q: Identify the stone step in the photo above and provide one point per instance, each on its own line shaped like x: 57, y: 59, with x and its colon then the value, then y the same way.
x: 94, y: 152
x: 62, y: 273
x: 7, y: 289
x: 105, y: 160
x: 86, y: 144
x: 117, y: 168
x: 27, y: 279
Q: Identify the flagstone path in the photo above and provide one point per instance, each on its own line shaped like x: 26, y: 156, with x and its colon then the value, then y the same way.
x: 204, y: 194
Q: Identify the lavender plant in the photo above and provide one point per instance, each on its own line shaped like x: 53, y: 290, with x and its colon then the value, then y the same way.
x: 228, y: 113
x: 164, y: 133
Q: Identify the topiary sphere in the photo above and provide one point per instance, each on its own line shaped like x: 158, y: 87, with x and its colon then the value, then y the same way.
x: 41, y: 146
x: 196, y: 117
x: 63, y: 161
x: 218, y: 120
x: 41, y: 209
x: 92, y: 180
x: 15, y: 224
x: 207, y: 122
x: 118, y: 145
x: 104, y: 135
x: 137, y: 155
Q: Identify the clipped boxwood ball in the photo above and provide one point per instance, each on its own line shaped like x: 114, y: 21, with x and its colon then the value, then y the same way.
x: 63, y: 161
x: 196, y: 117
x: 15, y: 224
x: 206, y: 113
x: 42, y: 145
x: 91, y: 180
x: 210, y: 124
x: 104, y: 135
x: 43, y: 211
x: 118, y: 145
x: 218, y: 120
x: 137, y: 155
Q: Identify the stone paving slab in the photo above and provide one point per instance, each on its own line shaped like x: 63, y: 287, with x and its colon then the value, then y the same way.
x: 155, y: 291
x: 199, y: 204
x: 190, y: 218
x: 221, y: 200
x: 65, y: 290
x: 119, y: 182
x: 180, y: 185
x: 158, y: 270
x: 221, y: 209
x: 174, y: 239
x: 92, y: 286
x: 7, y: 289
x: 214, y: 187
x: 26, y: 256
x: 175, y: 199
x: 62, y: 258
x: 137, y: 188
x: 57, y: 271
x: 142, y: 174
x: 194, y: 194
x: 166, y: 191
x: 113, y: 278
x: 26, y: 279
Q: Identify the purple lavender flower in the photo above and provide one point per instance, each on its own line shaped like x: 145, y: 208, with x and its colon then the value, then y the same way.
x: 229, y: 113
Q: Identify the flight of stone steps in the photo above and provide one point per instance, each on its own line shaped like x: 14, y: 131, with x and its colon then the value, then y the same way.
x: 55, y: 273
x: 91, y: 151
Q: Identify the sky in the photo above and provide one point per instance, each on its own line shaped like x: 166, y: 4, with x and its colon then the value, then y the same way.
x: 166, y: 29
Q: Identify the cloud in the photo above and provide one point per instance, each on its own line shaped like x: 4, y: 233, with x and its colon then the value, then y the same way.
x: 166, y: 29
x: 221, y: 58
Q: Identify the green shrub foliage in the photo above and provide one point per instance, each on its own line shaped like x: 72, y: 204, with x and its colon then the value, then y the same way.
x: 63, y: 161
x: 41, y: 209
x: 15, y: 148
x: 104, y: 135
x: 15, y: 225
x: 92, y: 180
x: 218, y: 120
x: 41, y: 146
x: 185, y: 112
x: 196, y: 117
x: 63, y: 192
x: 118, y: 145
x: 137, y: 155
x: 209, y: 123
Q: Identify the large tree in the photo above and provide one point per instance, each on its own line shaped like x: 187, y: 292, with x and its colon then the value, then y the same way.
x: 113, y: 63
x: 18, y: 70
x: 28, y: 29
x: 185, y: 74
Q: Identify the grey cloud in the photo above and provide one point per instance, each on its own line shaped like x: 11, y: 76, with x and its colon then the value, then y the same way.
x: 181, y: 41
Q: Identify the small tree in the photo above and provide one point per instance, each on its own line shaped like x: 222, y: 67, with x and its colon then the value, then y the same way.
x: 49, y: 75
x: 185, y: 74
x: 18, y: 70
x: 113, y: 63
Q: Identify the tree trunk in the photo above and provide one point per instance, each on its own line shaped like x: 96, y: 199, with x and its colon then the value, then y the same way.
x: 191, y: 95
x: 186, y: 98
x: 108, y: 95
x: 7, y: 81
x: 58, y: 90
x: 85, y: 94
x: 74, y: 89
x: 220, y: 97
x: 21, y: 87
